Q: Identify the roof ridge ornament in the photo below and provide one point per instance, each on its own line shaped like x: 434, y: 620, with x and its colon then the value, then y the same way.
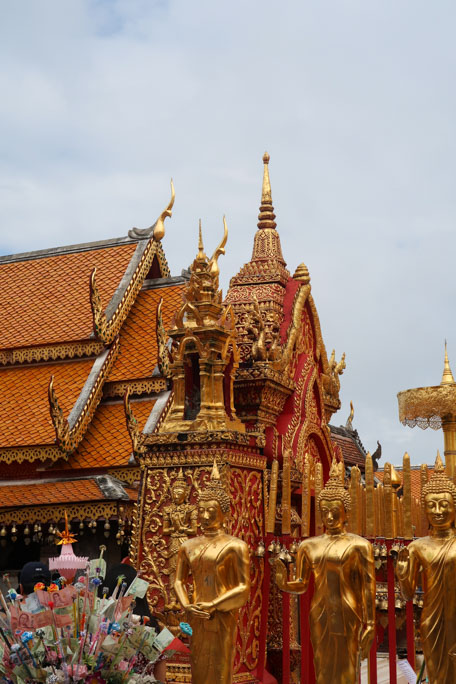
x: 157, y: 229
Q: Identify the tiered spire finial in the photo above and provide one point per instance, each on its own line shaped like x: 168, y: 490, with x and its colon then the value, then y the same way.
x: 266, y: 216
x: 447, y: 377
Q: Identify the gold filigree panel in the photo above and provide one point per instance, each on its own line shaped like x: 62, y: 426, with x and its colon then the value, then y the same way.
x: 69, y: 350
x: 137, y: 387
x: 56, y: 513
x: 41, y: 453
x: 246, y: 522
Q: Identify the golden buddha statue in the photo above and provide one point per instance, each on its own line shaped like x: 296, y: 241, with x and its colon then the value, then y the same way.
x: 435, y: 557
x: 179, y: 522
x: 219, y: 566
x: 342, y: 613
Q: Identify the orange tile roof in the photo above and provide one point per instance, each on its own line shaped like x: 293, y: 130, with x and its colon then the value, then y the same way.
x: 351, y: 453
x: 49, y: 493
x: 107, y: 443
x: 46, y: 300
x: 138, y: 344
x: 24, y: 408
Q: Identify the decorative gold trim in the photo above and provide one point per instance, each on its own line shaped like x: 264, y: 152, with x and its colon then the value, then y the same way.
x: 295, y: 328
x: 137, y: 387
x: 35, y: 453
x: 105, y: 329
x: 67, y: 437
x: 162, y: 343
x: 126, y: 475
x: 203, y: 437
x: 75, y: 511
x: 50, y: 352
x: 137, y: 440
x: 204, y: 456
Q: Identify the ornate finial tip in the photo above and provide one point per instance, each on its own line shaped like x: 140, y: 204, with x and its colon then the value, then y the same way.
x: 302, y: 274
x: 215, y: 475
x: 266, y: 158
x: 438, y: 463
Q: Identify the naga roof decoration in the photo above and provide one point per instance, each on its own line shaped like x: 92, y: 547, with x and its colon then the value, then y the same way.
x: 69, y: 432
x: 107, y: 323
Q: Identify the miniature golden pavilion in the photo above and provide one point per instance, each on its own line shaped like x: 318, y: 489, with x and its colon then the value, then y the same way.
x: 127, y: 382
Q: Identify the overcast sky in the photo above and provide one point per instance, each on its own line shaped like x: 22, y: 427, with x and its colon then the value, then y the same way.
x: 103, y: 101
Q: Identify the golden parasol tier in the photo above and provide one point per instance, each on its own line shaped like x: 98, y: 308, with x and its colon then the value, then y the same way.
x: 434, y: 407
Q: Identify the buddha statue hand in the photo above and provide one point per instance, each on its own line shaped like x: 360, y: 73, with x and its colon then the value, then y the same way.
x: 200, y: 610
x: 367, y: 637
x: 403, y: 563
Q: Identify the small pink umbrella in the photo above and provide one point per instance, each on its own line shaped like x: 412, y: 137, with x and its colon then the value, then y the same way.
x: 67, y: 563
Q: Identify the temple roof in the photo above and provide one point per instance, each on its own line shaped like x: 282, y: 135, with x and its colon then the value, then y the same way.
x: 84, y: 316
x: 24, y: 406
x: 65, y: 491
x: 138, y: 343
x: 350, y: 444
x: 42, y: 288
x: 106, y: 443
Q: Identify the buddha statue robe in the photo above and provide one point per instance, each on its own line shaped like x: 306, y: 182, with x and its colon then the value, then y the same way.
x: 436, y: 556
x: 343, y: 603
x: 219, y: 566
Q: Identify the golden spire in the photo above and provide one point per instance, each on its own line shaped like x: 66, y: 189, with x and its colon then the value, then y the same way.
x: 201, y: 255
x: 447, y: 377
x: 266, y: 216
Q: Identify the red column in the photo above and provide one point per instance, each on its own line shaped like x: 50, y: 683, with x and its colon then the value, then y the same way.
x: 264, y: 612
x: 410, y: 633
x: 373, y: 662
x: 391, y: 618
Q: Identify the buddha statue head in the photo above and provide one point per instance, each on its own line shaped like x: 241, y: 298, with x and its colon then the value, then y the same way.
x: 438, y: 498
x: 334, y: 502
x: 213, y: 503
x: 179, y: 489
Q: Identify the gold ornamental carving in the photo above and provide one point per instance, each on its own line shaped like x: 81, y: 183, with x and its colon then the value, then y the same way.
x: 156, y: 513
x: 50, y: 352
x: 106, y: 330
x: 136, y: 437
x: 136, y: 387
x: 204, y: 355
x: 56, y: 513
x: 30, y: 454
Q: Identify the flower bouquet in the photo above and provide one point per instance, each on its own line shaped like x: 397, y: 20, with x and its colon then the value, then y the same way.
x: 74, y: 632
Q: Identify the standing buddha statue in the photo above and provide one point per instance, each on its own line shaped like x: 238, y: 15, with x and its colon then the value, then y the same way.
x: 435, y: 557
x: 342, y: 613
x: 219, y: 566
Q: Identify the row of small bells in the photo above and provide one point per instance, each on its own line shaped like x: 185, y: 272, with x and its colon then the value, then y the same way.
x: 38, y: 535
x: 276, y: 549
